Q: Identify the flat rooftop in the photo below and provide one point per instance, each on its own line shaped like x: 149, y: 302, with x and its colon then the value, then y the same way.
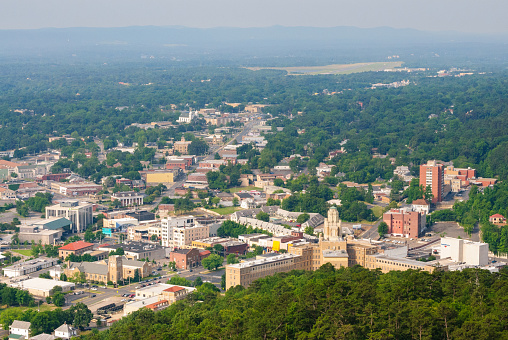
x: 263, y: 261
x: 42, y: 284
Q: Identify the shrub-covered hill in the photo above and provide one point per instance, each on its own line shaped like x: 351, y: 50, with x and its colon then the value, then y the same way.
x: 351, y: 303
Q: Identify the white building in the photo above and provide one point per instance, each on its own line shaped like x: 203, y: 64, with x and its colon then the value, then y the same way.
x: 42, y: 287
x: 20, y: 328
x: 128, y: 198
x: 29, y: 266
x: 168, y: 224
x: 421, y: 206
x: 464, y: 251
x: 187, y: 117
x: 79, y: 213
x: 65, y: 331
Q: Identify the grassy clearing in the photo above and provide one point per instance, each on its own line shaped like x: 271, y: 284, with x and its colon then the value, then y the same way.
x: 25, y: 252
x: 43, y: 308
x: 237, y: 189
x: 335, y: 68
x: 378, y: 211
x: 226, y: 210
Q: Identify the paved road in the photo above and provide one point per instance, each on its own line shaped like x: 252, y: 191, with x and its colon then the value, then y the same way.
x: 238, y: 137
x: 372, y: 232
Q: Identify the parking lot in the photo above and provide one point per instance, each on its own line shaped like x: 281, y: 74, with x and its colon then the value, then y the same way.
x: 452, y: 229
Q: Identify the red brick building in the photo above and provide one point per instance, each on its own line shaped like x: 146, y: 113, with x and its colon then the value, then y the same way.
x: 404, y: 223
x: 53, y: 177
x: 173, y: 164
x: 76, y: 248
x: 185, y: 258
x: 432, y: 174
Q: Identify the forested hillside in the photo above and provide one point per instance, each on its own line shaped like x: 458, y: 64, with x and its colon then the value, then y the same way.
x: 469, y: 126
x: 351, y: 303
x: 463, y: 119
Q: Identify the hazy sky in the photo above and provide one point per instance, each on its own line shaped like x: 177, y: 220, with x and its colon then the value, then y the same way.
x: 482, y: 16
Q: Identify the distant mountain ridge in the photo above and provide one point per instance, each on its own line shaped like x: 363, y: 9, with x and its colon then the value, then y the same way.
x: 274, y: 40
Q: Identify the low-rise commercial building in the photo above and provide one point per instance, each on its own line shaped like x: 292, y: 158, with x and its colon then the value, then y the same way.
x: 137, y: 250
x: 464, y: 251
x: 43, y: 287
x: 77, y: 248
x: 30, y: 266
x: 186, y: 258
x: 44, y: 231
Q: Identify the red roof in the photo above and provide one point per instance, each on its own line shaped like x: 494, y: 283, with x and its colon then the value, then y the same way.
x: 76, y: 245
x: 420, y: 201
x: 205, y: 252
x: 174, y: 289
x: 157, y: 304
x: 497, y: 215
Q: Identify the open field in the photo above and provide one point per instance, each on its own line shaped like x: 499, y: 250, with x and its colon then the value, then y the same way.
x: 43, y: 308
x: 334, y: 68
x: 26, y: 252
x: 378, y: 211
x: 237, y: 189
x: 226, y: 211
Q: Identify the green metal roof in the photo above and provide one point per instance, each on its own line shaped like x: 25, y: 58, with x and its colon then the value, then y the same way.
x: 57, y: 224
x: 16, y: 336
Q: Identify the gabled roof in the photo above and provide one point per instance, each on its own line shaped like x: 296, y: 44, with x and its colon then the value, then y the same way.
x: 420, y: 201
x: 65, y: 328
x: 497, y: 216
x: 93, y: 268
x: 43, y: 336
x: 76, y: 245
x: 20, y: 324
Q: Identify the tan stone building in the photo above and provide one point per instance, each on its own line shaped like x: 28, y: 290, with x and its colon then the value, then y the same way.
x: 182, y: 146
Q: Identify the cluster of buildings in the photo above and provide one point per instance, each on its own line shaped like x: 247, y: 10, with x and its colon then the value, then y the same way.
x: 339, y: 250
x: 21, y: 330
x: 157, y: 297
x: 443, y: 179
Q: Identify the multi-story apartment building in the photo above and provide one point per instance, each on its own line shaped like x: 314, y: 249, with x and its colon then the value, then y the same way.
x: 79, y: 213
x: 432, y: 174
x: 184, y: 235
x: 167, y: 227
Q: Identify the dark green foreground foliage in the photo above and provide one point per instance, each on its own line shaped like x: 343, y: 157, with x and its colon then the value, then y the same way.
x: 352, y: 303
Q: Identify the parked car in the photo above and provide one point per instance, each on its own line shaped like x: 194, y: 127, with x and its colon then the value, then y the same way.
x: 132, y: 295
x: 93, y: 295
